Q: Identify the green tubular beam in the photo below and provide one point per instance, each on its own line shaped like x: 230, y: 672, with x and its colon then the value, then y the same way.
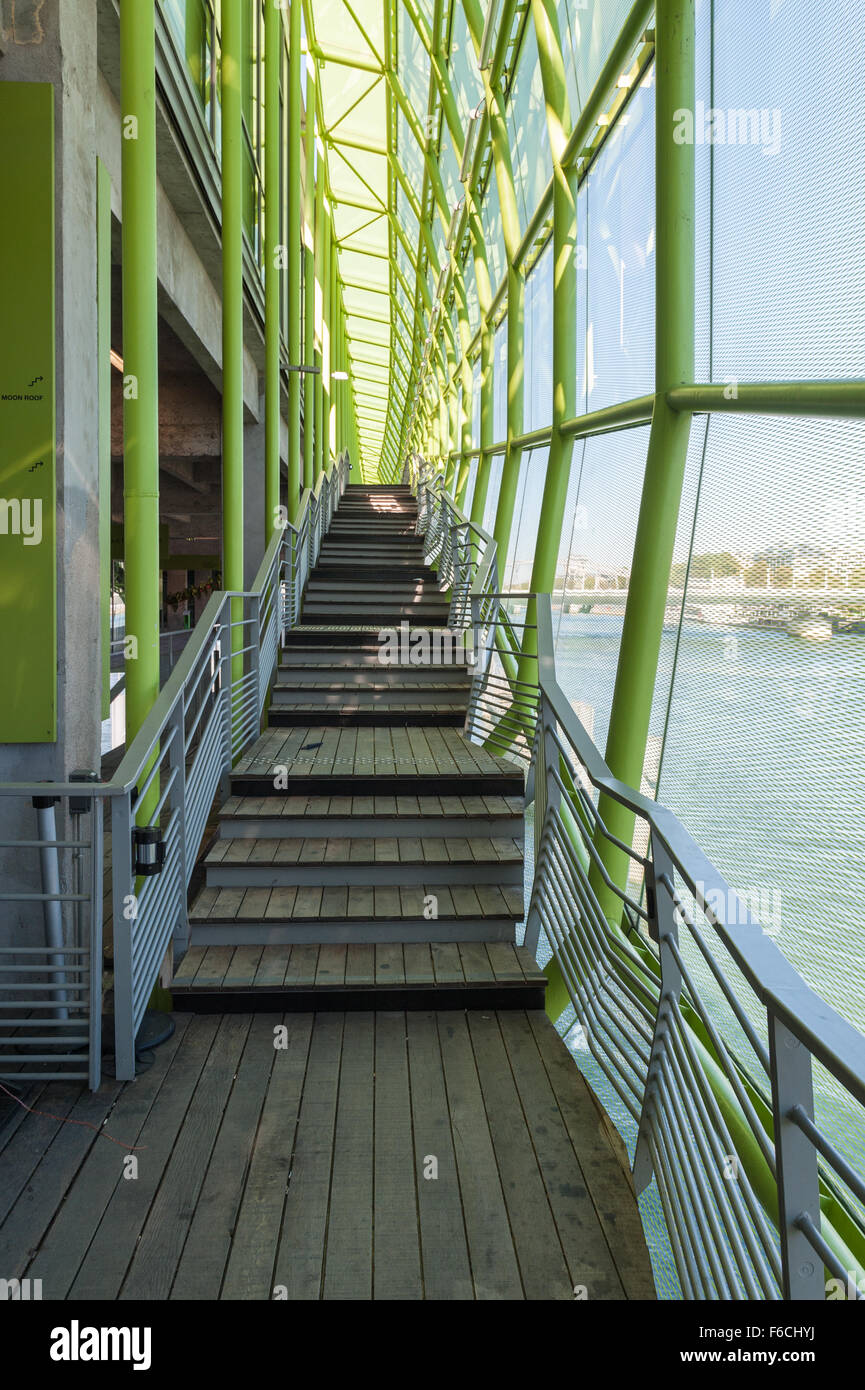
x: 309, y: 380
x: 140, y: 360
x: 294, y: 249
x: 836, y: 399
x: 232, y: 296
x: 668, y: 440
x: 515, y: 283
x: 318, y: 431
x: 272, y: 261
x: 555, y: 494
x: 326, y: 334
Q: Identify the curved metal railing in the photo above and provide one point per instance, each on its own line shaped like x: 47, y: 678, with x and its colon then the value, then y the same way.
x: 701, y: 1027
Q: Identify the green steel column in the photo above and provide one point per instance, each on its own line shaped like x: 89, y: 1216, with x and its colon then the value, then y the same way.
x: 668, y: 439
x: 140, y: 359
x: 103, y: 378
x: 551, y: 63
x: 309, y: 309
x: 318, y: 454
x: 465, y: 404
x: 232, y: 295
x: 511, y: 233
x: 294, y: 234
x: 272, y: 265
x: 485, y: 461
x: 332, y: 386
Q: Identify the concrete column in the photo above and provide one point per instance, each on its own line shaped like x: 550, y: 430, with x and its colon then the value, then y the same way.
x: 57, y: 44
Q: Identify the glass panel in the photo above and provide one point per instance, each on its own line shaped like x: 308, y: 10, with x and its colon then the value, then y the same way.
x: 621, y: 257
x: 538, y: 338
x: 527, y: 123
x: 500, y: 383
x: 594, y: 573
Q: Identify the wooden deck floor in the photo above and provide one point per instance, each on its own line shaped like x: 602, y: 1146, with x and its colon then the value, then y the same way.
x: 307, y: 1171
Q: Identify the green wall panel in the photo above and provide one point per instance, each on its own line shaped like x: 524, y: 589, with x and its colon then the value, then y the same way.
x: 28, y: 561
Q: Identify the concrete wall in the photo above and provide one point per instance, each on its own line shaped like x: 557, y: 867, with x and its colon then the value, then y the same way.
x: 53, y: 42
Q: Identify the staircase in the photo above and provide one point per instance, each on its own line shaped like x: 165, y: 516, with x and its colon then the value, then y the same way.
x: 369, y: 855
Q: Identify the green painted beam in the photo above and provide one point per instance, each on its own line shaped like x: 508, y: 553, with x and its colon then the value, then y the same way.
x: 273, y: 47
x: 140, y: 359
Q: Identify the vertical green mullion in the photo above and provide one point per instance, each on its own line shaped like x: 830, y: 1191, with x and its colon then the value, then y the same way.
x: 140, y: 359
x: 103, y: 371
x: 232, y: 296
x: 309, y: 324
x: 272, y: 267
x: 326, y: 333
x: 515, y: 284
x: 319, y: 321
x: 555, y: 494
x: 670, y: 430
x: 294, y: 236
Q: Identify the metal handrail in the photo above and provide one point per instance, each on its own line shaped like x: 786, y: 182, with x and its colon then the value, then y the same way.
x: 650, y: 968
x: 209, y: 710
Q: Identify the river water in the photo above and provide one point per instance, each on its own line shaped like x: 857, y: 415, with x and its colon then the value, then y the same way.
x: 758, y: 745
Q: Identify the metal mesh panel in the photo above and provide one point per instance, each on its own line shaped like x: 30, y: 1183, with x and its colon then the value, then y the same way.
x: 764, y: 754
x: 590, y: 610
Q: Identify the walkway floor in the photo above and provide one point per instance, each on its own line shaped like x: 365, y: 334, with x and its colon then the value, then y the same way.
x: 447, y: 1155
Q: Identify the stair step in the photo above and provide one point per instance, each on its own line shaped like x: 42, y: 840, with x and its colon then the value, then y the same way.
x: 372, y: 913
x: 371, y: 693
x: 372, y: 673
x: 366, y: 817
x: 400, y: 976
x: 294, y: 860
x: 356, y: 716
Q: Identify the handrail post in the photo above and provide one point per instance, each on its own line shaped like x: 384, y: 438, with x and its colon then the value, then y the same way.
x: 663, y: 929
x: 177, y: 801
x: 125, y: 911
x: 796, y: 1163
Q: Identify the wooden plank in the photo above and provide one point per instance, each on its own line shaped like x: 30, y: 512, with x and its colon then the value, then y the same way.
x: 280, y: 904
x: 300, y: 1253
x: 243, y: 967
x: 543, y: 1270
x: 188, y: 967
x: 302, y: 966
x: 253, y: 1248
x: 104, y: 1265
x: 446, y: 1269
x: 205, y: 1254
x: 360, y: 964
x: 348, y: 1267
x: 361, y: 902
x: 475, y: 961
x: 386, y: 898
x: 254, y: 905
x: 389, y: 967
x: 605, y: 1180
x: 397, y: 1235
x: 211, y: 972
x: 418, y: 963
x: 504, y: 961
x: 160, y: 1244
x: 495, y: 1270
x: 77, y: 1218
x: 446, y: 963
x: 331, y: 965
x: 272, y: 965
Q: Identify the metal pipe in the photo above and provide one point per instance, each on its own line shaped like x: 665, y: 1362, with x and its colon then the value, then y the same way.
x: 668, y: 441
x: 232, y: 306
x: 140, y: 359
x: 309, y: 392
x: 52, y: 907
x: 272, y: 271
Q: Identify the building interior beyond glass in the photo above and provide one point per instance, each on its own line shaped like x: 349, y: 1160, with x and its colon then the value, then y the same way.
x: 582, y: 281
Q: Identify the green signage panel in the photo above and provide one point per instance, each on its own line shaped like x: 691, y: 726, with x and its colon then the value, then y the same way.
x: 28, y: 557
